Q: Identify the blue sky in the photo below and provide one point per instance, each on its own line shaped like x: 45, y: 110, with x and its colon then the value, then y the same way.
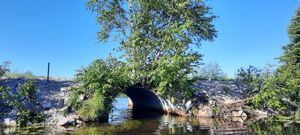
x: 63, y: 32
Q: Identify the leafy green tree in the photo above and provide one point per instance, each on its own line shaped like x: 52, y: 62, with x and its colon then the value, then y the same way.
x: 285, y: 84
x: 158, y: 38
x: 4, y: 68
x: 211, y: 71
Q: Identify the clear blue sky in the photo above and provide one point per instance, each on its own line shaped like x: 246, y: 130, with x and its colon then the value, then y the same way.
x: 63, y: 32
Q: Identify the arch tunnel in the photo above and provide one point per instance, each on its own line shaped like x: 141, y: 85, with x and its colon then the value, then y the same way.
x: 145, y: 102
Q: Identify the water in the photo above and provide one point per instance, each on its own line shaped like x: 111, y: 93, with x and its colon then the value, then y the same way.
x: 124, y: 121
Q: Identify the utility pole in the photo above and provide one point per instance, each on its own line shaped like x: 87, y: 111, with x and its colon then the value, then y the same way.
x: 48, y: 71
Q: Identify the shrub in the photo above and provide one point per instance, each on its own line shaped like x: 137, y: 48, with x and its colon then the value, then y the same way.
x: 25, y: 103
x: 101, y: 82
x: 4, y: 68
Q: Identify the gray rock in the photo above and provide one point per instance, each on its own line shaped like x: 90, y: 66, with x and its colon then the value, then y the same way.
x: 72, y: 119
x: 60, y: 103
x: 46, y: 105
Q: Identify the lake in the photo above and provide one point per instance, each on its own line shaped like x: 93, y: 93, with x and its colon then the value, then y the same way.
x: 124, y: 121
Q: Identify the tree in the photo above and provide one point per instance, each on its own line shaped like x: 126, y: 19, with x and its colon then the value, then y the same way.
x: 211, y: 71
x: 285, y: 84
x: 4, y: 68
x: 157, y: 38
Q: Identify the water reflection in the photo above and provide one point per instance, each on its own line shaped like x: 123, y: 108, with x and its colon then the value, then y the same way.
x: 127, y: 122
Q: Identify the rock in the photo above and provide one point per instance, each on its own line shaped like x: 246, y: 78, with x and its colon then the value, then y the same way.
x: 9, y: 122
x: 188, y: 105
x: 260, y: 113
x: 60, y: 103
x: 13, y: 112
x: 81, y: 97
x: 205, y: 112
x: 46, y: 105
x: 73, y: 116
x: 244, y: 115
x: 237, y: 113
x: 63, y: 89
x: 9, y: 130
x: 63, y: 122
x: 72, y: 119
x: 79, y: 122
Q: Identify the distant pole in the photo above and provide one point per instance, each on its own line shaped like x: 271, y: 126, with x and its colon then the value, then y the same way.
x: 48, y: 71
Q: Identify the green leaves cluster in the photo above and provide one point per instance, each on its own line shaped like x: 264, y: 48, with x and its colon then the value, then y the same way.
x: 286, y: 82
x: 252, y: 76
x: 101, y: 82
x: 24, y: 101
x: 171, y: 76
x: 4, y: 68
x: 157, y: 38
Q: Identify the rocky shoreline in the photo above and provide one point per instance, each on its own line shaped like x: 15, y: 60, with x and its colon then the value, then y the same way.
x: 216, y: 99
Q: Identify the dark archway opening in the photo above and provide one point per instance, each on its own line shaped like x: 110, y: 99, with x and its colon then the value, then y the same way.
x: 145, y: 103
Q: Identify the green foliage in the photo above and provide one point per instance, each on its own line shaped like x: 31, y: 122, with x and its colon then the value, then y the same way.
x: 251, y: 76
x: 4, y: 68
x: 25, y: 103
x: 157, y: 38
x: 101, y: 82
x: 94, y: 107
x: 171, y: 77
x: 286, y: 81
x: 27, y: 75
x: 211, y: 71
x: 272, y: 127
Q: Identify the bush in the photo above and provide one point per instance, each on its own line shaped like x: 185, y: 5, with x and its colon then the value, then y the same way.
x: 25, y: 103
x: 27, y: 75
x: 101, y: 82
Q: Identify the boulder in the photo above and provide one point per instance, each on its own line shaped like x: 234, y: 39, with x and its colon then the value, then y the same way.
x: 70, y: 120
x: 205, y: 112
x: 46, y: 105
x: 81, y: 97
x: 63, y: 122
x: 188, y: 104
x: 9, y: 122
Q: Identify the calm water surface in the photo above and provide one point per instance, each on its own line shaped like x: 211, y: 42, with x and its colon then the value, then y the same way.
x: 124, y: 121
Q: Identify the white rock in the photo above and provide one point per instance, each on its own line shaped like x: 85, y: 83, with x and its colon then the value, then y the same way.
x: 188, y: 104
x: 239, y: 113
x: 63, y: 89
x: 81, y: 97
x: 63, y: 122
x: 9, y: 122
